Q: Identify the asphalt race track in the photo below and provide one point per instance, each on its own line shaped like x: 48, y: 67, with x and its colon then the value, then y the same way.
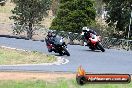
x: 111, y: 61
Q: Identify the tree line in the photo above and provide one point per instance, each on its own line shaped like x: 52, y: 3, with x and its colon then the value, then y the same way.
x: 72, y: 15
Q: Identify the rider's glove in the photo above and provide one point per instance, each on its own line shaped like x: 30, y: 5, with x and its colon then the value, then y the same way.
x: 85, y: 43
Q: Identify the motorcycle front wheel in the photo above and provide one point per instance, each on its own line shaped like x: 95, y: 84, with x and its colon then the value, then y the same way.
x: 66, y: 51
x: 100, y: 47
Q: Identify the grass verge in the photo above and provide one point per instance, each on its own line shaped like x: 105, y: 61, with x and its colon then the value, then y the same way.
x: 60, y: 83
x: 13, y: 57
x: 48, y: 80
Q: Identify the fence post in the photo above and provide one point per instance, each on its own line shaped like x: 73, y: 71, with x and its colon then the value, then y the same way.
x: 69, y: 38
x: 127, y: 45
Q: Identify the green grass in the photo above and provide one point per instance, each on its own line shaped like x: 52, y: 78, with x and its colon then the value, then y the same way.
x: 11, y: 57
x: 61, y: 83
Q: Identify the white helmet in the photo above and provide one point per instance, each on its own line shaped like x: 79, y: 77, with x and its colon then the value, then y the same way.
x: 85, y: 29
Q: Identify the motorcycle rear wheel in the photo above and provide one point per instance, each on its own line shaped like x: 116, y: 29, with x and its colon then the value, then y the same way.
x: 100, y: 47
x: 61, y: 53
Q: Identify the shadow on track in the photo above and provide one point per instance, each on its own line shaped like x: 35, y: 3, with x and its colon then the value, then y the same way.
x: 56, y: 54
x: 92, y: 50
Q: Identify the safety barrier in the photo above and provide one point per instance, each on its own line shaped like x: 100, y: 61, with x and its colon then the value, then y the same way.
x: 75, y: 38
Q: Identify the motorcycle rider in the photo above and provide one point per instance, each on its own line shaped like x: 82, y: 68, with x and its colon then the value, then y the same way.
x: 49, y: 40
x: 86, y: 34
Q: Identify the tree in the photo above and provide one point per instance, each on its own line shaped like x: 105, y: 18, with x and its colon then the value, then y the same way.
x: 30, y: 12
x: 73, y: 15
x: 2, y: 2
x: 54, y: 6
x: 99, y: 4
x: 118, y: 13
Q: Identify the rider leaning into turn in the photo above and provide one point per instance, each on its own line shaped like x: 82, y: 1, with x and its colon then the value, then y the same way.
x: 49, y: 39
x: 86, y: 34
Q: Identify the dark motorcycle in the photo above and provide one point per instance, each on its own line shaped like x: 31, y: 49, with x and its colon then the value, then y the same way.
x: 58, y: 46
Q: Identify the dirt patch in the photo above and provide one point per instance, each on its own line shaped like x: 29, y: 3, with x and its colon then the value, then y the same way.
x: 41, y: 76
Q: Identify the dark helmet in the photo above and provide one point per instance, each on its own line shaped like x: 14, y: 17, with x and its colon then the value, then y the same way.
x: 51, y: 33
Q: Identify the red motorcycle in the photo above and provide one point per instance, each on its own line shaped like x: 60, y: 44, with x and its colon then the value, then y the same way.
x: 94, y: 43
